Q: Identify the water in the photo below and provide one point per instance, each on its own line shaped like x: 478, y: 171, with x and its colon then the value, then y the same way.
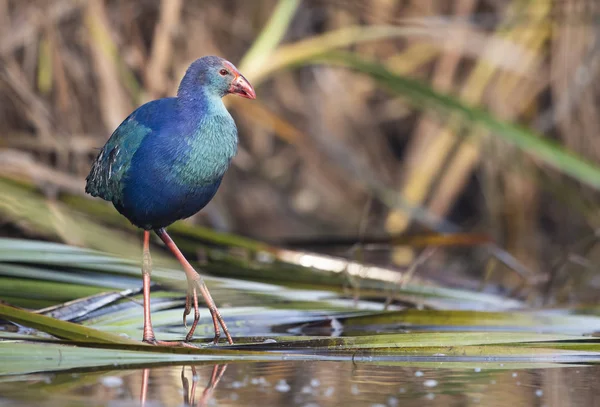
x: 299, y: 347
x: 310, y: 384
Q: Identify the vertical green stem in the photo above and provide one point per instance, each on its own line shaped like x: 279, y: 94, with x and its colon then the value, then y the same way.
x: 270, y: 37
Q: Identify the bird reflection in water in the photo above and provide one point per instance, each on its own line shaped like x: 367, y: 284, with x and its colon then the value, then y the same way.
x: 189, y: 394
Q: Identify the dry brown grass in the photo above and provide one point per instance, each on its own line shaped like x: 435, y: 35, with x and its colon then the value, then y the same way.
x: 319, y: 138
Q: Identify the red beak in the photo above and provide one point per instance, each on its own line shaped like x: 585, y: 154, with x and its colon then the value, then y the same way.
x: 241, y: 87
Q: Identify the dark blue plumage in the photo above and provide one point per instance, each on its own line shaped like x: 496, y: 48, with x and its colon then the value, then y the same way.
x: 166, y: 161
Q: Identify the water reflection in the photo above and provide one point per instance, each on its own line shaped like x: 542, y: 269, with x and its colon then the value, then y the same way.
x: 310, y: 384
x: 189, y: 385
x: 189, y: 394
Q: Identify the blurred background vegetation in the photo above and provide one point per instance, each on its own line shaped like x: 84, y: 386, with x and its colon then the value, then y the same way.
x: 377, y: 123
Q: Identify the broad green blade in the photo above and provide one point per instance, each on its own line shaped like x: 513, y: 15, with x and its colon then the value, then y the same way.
x: 61, y: 329
x: 411, y: 319
x: 25, y: 258
x: 24, y: 358
x: 407, y: 343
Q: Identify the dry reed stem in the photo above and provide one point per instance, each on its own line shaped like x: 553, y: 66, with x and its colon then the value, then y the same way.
x: 111, y: 93
x: 329, y: 139
x: 156, y: 74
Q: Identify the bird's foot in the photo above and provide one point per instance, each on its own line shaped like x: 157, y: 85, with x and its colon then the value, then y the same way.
x: 191, y: 298
x: 195, y: 285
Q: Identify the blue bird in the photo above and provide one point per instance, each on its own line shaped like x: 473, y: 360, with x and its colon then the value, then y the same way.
x: 166, y: 161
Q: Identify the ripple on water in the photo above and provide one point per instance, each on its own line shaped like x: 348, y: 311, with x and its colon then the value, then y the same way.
x: 282, y: 386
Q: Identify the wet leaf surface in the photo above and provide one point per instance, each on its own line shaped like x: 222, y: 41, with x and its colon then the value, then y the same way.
x: 294, y: 346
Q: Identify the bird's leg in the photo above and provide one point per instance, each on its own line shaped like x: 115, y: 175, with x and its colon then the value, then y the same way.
x: 195, y: 284
x: 146, y: 270
x: 148, y: 335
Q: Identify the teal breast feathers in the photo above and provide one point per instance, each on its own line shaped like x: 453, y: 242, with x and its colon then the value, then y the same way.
x: 206, y: 155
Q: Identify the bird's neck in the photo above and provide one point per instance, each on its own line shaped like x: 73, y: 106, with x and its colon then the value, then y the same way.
x: 200, y: 103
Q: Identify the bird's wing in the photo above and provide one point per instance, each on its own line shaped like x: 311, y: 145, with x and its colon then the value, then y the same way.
x: 112, y: 163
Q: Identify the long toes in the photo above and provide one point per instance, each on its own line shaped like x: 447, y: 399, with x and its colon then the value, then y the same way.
x: 217, y: 320
x: 194, y: 298
x: 188, y: 308
x: 186, y: 312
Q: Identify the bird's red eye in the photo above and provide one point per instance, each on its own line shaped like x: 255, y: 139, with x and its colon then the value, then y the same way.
x: 223, y: 72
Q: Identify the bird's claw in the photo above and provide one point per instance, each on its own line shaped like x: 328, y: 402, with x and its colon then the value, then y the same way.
x: 196, y: 285
x: 191, y: 298
x: 188, y: 307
